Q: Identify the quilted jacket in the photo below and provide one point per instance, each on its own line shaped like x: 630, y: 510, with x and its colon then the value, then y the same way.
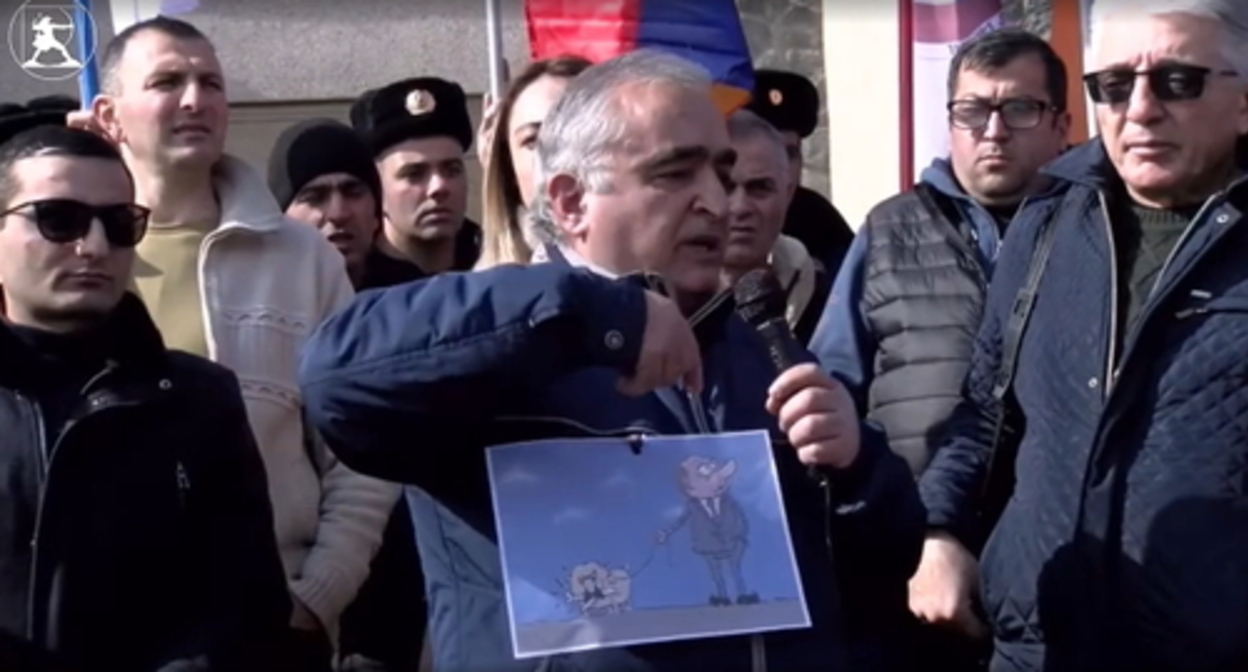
x: 1125, y: 544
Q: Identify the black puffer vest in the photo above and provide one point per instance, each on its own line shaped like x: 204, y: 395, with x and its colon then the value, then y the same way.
x: 923, y: 296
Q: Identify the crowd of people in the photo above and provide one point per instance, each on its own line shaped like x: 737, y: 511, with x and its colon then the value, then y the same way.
x: 246, y: 418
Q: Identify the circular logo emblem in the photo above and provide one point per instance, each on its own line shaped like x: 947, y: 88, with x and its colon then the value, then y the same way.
x: 420, y: 102
x: 775, y: 97
x: 45, y: 38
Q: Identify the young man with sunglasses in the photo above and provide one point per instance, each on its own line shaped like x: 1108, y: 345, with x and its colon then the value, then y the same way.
x: 900, y: 325
x: 1123, y: 546
x: 135, y: 526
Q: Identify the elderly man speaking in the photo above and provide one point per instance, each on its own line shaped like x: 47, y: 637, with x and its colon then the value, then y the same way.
x: 411, y: 383
x: 1124, y: 545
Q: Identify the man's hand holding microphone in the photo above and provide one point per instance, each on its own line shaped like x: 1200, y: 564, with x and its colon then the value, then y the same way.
x: 814, y: 410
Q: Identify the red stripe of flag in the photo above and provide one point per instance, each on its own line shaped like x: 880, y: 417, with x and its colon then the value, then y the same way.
x: 950, y: 22
x: 593, y: 29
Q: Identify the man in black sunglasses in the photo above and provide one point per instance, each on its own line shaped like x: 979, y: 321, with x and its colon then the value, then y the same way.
x: 135, y: 526
x: 1123, y: 546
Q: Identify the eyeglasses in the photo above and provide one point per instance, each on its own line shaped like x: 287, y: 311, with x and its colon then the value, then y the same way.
x: 1168, y: 83
x: 1017, y: 113
x: 62, y: 220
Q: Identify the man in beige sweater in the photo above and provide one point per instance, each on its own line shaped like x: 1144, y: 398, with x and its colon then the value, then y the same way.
x: 227, y: 276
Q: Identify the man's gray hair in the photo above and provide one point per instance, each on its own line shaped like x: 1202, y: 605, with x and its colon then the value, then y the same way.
x: 1231, y: 15
x: 745, y: 125
x: 585, y: 127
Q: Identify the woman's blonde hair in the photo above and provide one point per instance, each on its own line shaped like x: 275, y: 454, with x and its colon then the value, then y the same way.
x: 502, y: 233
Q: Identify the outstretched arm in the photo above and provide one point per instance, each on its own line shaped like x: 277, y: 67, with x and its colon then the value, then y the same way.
x: 442, y: 357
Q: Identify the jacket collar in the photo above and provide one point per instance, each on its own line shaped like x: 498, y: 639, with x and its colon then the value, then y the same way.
x: 797, y: 272
x: 708, y: 321
x: 246, y: 202
x: 134, y: 345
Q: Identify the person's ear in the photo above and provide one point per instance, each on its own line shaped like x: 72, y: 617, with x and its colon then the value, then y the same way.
x: 106, y: 119
x: 566, y: 196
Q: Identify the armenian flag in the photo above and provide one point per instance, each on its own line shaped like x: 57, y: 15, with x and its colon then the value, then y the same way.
x: 707, y: 32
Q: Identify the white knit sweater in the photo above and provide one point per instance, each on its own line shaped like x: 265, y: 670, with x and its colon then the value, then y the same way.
x: 266, y: 283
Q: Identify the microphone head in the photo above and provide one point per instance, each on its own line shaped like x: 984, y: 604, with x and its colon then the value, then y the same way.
x: 759, y: 297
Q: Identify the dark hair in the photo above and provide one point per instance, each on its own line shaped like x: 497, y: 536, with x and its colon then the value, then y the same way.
x: 50, y: 140
x: 999, y: 48
x: 175, y: 28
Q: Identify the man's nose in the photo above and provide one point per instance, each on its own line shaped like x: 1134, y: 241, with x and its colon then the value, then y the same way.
x: 439, y: 184
x: 738, y: 204
x: 95, y: 243
x: 336, y: 209
x: 996, y: 129
x: 1143, y: 106
x: 712, y: 195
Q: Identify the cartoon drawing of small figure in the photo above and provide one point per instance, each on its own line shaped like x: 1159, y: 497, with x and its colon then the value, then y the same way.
x: 717, y: 524
x: 596, y: 590
x: 45, y: 41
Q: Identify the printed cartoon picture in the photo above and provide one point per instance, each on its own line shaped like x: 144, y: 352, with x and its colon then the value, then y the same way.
x: 605, y: 546
x: 717, y: 525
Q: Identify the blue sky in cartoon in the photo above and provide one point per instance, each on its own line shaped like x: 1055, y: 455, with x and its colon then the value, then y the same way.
x: 563, y: 503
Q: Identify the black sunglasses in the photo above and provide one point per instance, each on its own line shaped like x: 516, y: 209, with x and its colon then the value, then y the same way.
x: 1168, y: 83
x: 1016, y: 113
x: 62, y: 220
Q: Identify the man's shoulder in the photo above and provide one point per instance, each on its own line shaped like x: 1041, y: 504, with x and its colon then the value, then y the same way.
x: 903, y: 206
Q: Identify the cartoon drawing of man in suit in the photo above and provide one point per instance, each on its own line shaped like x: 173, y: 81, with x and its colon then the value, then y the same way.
x: 717, y: 524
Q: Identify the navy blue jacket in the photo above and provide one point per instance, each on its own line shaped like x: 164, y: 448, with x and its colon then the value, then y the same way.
x: 1125, y: 544
x: 410, y: 384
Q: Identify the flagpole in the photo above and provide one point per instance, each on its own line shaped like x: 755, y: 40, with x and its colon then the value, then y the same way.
x: 88, y: 79
x: 905, y: 30
x: 494, y: 37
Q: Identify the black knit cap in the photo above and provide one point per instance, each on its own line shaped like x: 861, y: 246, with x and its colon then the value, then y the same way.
x: 787, y: 100
x: 16, y: 119
x: 411, y: 109
x: 317, y: 147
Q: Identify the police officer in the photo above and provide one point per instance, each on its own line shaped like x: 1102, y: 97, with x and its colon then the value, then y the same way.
x: 791, y: 103
x: 419, y: 132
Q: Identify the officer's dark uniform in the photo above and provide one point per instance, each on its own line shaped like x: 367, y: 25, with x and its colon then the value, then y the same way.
x: 791, y: 103
x: 387, y: 621
x: 415, y: 108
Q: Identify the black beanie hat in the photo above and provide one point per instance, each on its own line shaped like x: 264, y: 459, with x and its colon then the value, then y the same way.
x: 317, y: 147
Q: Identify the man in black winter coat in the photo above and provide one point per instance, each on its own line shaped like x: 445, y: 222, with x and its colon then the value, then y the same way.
x: 135, y: 527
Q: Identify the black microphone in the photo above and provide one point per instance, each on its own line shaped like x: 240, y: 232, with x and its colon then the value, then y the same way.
x: 761, y: 302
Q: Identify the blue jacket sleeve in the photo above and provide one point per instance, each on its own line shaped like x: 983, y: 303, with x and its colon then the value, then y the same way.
x: 404, y: 378
x: 952, y: 485
x: 843, y: 341
x: 877, y: 519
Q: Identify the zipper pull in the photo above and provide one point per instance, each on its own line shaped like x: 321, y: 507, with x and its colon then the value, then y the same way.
x: 184, y: 484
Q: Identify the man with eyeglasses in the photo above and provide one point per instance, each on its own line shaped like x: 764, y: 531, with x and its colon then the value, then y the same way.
x: 1123, y: 546
x: 900, y: 325
x: 135, y: 526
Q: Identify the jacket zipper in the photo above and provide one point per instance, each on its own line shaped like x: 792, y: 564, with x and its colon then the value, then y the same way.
x: 41, y: 445
x: 184, y: 485
x: 49, y: 461
x: 1165, y: 267
x: 1111, y: 364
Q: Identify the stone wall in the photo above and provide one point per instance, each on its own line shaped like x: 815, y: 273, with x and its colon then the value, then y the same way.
x: 788, y: 35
